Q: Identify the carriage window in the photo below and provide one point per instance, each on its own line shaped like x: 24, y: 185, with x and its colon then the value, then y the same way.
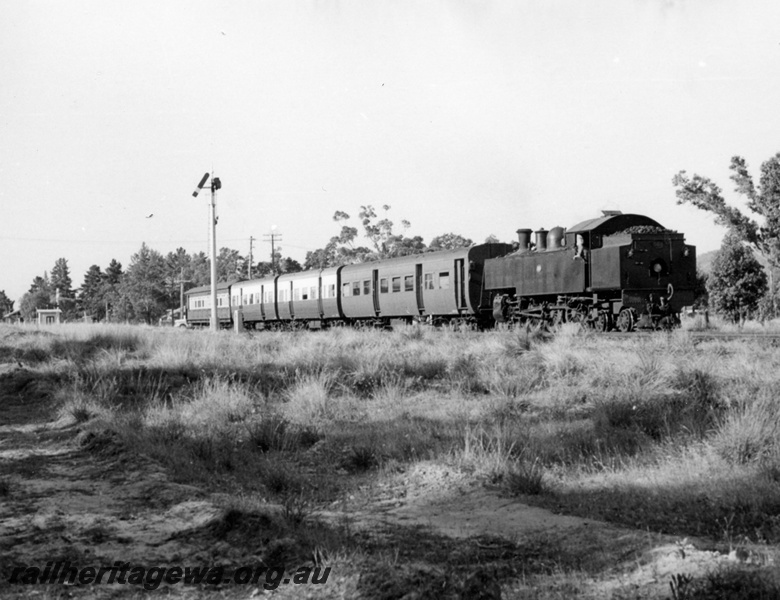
x: 345, y: 289
x: 428, y: 281
x: 332, y: 290
x: 383, y: 289
x: 356, y: 288
x: 444, y: 280
x: 297, y: 294
x: 313, y: 292
x: 396, y: 284
x: 367, y: 287
x: 409, y: 283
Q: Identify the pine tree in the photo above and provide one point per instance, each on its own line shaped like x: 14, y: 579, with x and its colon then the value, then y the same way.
x: 60, y: 278
x: 91, y: 293
x: 144, y: 284
x: 111, y: 292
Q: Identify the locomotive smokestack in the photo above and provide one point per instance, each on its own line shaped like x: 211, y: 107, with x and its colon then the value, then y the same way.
x: 541, y: 240
x: 524, y: 238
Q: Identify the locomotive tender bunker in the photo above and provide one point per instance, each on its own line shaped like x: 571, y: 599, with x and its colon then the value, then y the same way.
x: 612, y: 271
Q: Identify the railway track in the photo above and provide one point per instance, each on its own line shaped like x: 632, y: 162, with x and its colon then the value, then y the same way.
x: 702, y: 335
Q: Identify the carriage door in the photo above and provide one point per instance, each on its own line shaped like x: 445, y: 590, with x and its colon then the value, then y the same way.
x: 418, y: 288
x: 375, y: 290
x: 460, y: 284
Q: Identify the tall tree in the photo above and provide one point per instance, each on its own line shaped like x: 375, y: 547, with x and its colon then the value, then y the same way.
x: 91, y: 293
x: 114, y: 272
x: 763, y: 200
x: 6, y: 304
x: 62, y: 286
x: 117, y: 305
x: 32, y: 301
x: 229, y: 264
x: 40, y: 295
x: 41, y: 284
x: 737, y: 281
x: 289, y: 265
x: 385, y: 242
x: 60, y: 278
x: 144, y: 284
x: 201, y: 269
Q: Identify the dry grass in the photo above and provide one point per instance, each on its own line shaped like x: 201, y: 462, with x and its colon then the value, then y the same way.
x: 656, y: 433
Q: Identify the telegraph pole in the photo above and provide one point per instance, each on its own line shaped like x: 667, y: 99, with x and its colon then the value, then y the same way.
x: 251, y: 240
x: 273, y: 237
x: 215, y: 185
x: 181, y: 281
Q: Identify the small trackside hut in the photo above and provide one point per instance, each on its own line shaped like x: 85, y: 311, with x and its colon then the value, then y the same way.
x: 615, y: 271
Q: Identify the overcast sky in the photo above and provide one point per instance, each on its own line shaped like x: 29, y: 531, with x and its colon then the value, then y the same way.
x: 474, y: 117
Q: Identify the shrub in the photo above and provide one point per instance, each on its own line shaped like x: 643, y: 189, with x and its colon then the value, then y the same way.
x: 525, y: 477
x: 274, y: 432
x: 309, y: 398
x: 361, y: 458
x: 751, y: 431
x: 279, y: 478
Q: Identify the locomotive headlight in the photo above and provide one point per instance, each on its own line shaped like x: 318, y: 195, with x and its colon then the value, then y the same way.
x: 657, y: 267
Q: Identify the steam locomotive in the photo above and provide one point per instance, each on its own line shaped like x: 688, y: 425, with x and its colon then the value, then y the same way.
x: 617, y: 271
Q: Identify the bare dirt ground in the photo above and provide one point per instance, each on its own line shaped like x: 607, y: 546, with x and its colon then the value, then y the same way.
x: 80, y: 498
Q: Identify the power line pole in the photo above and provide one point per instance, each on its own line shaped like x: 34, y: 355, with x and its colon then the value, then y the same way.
x: 181, y: 281
x: 251, y: 240
x: 273, y: 237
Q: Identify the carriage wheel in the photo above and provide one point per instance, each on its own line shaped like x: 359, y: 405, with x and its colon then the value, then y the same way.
x: 625, y: 320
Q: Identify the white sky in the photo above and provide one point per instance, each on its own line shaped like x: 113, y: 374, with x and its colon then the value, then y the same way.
x: 466, y: 116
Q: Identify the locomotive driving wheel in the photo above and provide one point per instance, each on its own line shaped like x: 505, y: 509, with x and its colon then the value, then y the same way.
x: 603, y: 321
x: 625, y: 320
